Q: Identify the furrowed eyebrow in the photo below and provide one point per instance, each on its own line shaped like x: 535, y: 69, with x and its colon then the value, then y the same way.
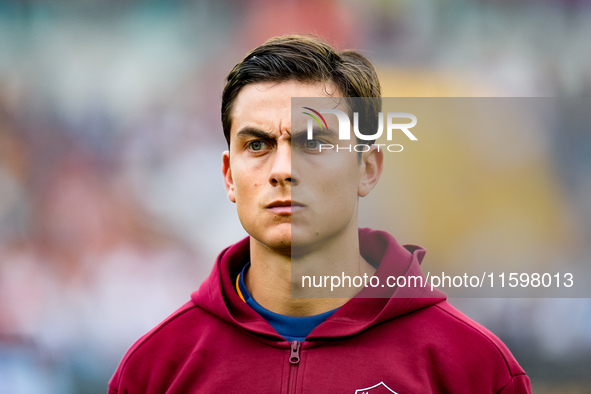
x: 253, y: 132
x: 303, y: 134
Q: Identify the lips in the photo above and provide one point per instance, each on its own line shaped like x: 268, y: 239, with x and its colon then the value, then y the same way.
x: 284, y: 207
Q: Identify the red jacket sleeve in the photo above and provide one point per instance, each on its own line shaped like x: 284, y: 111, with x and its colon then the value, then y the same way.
x: 518, y: 385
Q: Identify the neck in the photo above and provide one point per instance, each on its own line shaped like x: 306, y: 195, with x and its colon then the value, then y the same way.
x: 275, y: 280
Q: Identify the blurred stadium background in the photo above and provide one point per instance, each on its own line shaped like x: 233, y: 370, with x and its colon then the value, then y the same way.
x: 112, y: 206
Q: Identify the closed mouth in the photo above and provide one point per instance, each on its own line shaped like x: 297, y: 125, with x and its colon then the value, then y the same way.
x: 285, y: 208
x: 286, y: 203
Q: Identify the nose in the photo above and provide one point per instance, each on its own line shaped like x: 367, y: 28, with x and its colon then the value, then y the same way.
x: 281, y: 172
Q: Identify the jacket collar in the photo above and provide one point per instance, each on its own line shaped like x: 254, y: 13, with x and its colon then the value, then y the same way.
x: 371, y: 305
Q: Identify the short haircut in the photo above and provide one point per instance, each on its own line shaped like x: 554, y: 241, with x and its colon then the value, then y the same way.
x: 307, y: 59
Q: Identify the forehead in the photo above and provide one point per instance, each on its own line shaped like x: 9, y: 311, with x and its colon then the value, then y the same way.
x: 267, y: 105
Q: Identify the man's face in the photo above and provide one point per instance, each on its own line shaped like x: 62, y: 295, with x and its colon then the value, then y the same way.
x: 287, y: 193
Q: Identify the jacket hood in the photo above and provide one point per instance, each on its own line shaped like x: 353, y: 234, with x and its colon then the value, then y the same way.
x: 371, y: 306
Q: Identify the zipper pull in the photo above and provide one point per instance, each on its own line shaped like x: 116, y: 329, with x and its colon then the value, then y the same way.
x: 294, y: 356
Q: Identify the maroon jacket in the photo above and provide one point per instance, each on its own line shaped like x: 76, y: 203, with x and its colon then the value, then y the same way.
x: 217, y: 344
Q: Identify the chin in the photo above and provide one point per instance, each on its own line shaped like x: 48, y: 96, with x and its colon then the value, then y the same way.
x: 282, y: 247
x: 276, y: 239
x: 301, y: 245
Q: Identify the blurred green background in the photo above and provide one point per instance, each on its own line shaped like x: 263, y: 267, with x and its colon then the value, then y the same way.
x: 112, y: 206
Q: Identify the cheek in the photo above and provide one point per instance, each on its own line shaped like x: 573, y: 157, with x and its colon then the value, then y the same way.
x: 337, y: 193
x: 249, y: 178
x: 342, y: 181
x: 246, y: 187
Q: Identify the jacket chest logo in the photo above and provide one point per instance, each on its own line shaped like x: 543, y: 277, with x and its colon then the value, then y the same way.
x: 379, y: 388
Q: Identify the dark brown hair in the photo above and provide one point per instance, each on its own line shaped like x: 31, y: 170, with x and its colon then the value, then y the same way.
x: 307, y: 59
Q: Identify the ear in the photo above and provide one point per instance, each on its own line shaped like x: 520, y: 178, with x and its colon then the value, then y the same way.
x: 228, y: 181
x: 372, y: 163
